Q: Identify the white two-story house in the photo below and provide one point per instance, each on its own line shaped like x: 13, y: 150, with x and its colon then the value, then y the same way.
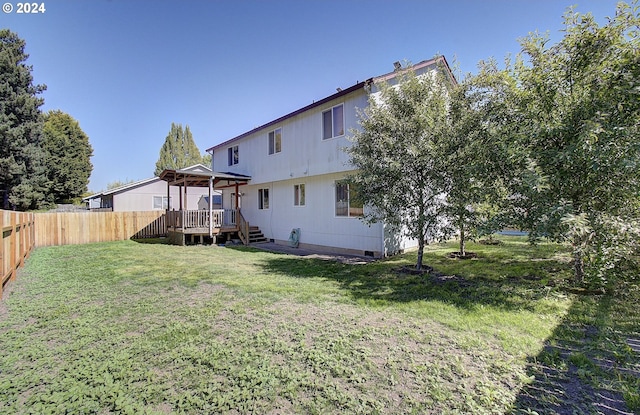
x: 298, y: 165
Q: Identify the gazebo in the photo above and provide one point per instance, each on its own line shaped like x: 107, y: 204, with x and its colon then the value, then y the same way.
x: 210, y: 222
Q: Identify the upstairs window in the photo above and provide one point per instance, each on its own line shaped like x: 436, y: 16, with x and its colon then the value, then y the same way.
x: 233, y: 156
x: 275, y: 141
x: 263, y: 199
x: 348, y: 203
x: 333, y: 122
x: 298, y: 195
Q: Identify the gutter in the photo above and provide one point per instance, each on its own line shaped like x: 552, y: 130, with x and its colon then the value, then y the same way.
x: 323, y: 101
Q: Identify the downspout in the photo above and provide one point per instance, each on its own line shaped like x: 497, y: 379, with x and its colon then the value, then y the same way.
x: 383, y: 253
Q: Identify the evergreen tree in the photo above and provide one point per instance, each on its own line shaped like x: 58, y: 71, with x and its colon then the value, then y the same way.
x: 119, y: 183
x: 23, y: 180
x: 179, y: 150
x: 68, y: 156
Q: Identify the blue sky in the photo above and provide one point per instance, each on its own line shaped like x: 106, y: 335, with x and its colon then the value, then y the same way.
x: 127, y: 69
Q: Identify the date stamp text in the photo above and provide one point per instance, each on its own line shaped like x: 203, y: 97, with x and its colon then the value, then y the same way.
x: 24, y: 8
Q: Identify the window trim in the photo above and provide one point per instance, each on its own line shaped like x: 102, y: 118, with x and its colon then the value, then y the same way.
x: 349, y: 207
x: 233, y: 155
x: 296, y: 195
x: 261, y: 198
x: 164, y: 200
x: 333, y: 125
x: 275, y: 142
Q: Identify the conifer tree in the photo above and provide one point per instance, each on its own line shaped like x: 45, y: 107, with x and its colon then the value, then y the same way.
x: 23, y: 180
x: 68, y: 156
x: 179, y: 150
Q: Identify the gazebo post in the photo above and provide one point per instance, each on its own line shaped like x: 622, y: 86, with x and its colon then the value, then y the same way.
x: 210, y: 207
x: 186, y: 202
x: 168, y: 196
x: 237, y: 196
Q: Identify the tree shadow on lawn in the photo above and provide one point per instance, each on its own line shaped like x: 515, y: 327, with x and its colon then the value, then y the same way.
x: 385, y: 281
x: 588, y: 364
x: 152, y: 241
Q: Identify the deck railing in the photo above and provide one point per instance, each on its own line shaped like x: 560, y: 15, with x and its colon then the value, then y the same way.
x: 189, y: 219
x: 243, y: 229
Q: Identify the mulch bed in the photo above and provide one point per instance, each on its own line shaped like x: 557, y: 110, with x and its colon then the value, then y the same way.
x: 457, y: 255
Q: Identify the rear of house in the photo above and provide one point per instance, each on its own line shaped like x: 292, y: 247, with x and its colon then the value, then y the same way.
x: 298, y: 169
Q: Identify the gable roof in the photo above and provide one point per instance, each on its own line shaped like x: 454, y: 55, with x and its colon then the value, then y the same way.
x: 360, y: 85
x: 323, y: 101
x: 122, y: 188
x: 196, y: 168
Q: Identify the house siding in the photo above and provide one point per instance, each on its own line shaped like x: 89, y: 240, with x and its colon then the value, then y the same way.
x: 307, y: 158
x: 304, y: 152
x: 318, y: 224
x: 141, y: 198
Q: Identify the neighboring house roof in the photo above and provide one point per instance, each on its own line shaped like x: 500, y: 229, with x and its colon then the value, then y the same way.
x: 357, y: 86
x: 123, y: 188
x: 217, y: 199
x: 195, y: 169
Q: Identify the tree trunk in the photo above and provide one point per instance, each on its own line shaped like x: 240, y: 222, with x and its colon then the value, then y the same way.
x: 463, y: 248
x: 421, y: 233
x: 420, y: 253
x: 578, y: 264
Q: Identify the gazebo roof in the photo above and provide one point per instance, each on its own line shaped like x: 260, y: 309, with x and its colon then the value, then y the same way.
x: 191, y: 178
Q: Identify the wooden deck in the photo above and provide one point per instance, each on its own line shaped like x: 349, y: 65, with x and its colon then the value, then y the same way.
x: 186, y: 225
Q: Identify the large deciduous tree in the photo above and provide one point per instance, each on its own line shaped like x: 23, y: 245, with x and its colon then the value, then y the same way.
x: 580, y: 100
x: 23, y: 180
x: 68, y: 156
x: 397, y: 154
x: 473, y: 157
x: 179, y: 150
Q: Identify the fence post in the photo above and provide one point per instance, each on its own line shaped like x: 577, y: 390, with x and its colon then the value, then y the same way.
x: 2, y: 253
x: 12, y: 247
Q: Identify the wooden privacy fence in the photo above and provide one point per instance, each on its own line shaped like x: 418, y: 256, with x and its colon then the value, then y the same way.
x: 18, y: 237
x: 73, y: 228
x: 21, y: 232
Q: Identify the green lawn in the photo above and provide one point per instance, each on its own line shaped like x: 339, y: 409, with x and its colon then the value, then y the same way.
x: 128, y: 327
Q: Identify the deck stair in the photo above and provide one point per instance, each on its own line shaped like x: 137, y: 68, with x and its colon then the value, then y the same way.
x: 256, y: 236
